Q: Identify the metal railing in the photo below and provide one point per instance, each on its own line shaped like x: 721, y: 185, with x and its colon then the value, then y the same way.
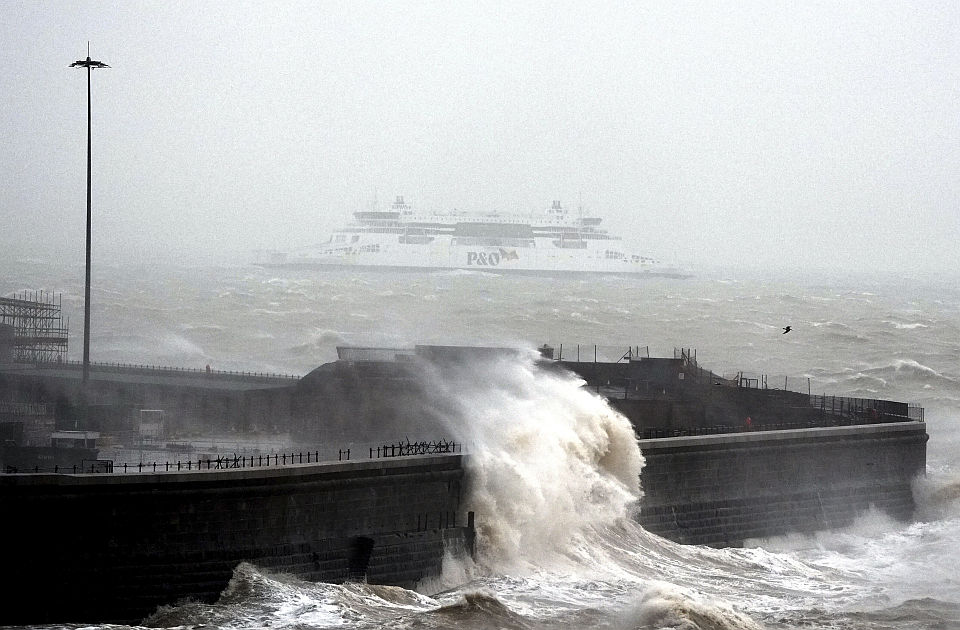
x: 25, y: 408
x: 867, y: 410
x: 593, y: 353
x: 127, y: 367
x: 234, y: 461
x: 402, y: 449
x: 190, y: 465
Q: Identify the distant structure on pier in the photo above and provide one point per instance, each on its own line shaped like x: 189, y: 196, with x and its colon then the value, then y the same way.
x: 32, y: 329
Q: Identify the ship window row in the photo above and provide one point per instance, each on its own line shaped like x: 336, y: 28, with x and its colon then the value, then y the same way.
x: 614, y: 255
x: 337, y: 251
x: 415, y: 239
x: 569, y: 243
x: 402, y: 230
x: 421, y: 229
x: 380, y: 230
x: 378, y: 224
x: 373, y: 247
x: 575, y: 236
x: 493, y: 230
x: 437, y: 227
x: 492, y: 242
x: 561, y: 230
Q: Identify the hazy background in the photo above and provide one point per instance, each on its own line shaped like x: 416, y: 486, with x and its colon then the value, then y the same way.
x: 743, y: 134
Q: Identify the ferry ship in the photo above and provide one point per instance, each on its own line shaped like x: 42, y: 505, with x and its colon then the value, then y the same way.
x: 400, y: 238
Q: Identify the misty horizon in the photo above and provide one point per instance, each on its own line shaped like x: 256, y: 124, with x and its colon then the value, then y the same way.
x: 736, y: 135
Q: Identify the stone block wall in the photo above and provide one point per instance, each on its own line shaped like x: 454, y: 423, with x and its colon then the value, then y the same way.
x: 112, y: 547
x: 723, y: 489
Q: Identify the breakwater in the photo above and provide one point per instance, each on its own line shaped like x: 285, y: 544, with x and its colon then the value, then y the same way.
x: 726, y: 460
x: 112, y: 547
x: 723, y: 489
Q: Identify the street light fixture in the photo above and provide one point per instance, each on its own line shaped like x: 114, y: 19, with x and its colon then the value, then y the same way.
x: 89, y: 64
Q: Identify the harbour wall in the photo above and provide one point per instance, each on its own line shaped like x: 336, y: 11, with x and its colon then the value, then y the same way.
x: 722, y: 490
x: 112, y: 547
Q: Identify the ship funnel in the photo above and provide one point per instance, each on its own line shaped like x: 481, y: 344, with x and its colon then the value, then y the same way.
x: 400, y: 206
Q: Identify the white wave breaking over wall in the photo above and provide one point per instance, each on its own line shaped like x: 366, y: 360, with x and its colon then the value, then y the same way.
x: 548, y: 459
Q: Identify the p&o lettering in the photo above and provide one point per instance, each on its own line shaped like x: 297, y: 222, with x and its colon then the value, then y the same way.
x: 483, y: 259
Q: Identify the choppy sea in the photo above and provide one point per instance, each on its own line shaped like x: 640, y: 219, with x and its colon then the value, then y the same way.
x: 555, y: 466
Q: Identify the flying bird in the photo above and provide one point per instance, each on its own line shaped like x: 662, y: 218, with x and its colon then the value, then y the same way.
x: 786, y: 329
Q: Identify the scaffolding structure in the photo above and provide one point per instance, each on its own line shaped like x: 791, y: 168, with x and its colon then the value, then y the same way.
x: 39, y: 331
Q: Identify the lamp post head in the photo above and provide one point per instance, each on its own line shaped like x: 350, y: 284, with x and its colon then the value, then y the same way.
x: 88, y: 63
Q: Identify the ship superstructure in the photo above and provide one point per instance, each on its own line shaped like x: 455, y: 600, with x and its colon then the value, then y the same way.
x: 555, y: 241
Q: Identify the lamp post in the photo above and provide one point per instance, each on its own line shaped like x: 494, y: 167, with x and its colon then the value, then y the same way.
x: 89, y: 64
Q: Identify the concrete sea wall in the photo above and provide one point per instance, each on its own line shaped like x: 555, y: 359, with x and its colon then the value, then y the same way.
x: 723, y: 489
x: 112, y: 547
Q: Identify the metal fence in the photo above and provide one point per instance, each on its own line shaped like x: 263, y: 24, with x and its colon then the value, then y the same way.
x: 161, y: 369
x: 867, y: 410
x: 402, y: 449
x: 24, y: 408
x: 229, y: 462
x: 593, y: 353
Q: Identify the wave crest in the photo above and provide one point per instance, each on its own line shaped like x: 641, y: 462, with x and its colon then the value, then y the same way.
x: 548, y: 458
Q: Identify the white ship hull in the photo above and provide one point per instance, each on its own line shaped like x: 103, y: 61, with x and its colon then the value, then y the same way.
x: 401, y: 240
x: 476, y: 258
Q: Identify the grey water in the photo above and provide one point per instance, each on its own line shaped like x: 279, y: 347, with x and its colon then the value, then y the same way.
x: 559, y: 548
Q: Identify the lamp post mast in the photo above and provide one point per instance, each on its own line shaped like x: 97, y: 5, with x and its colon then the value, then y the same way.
x: 89, y: 64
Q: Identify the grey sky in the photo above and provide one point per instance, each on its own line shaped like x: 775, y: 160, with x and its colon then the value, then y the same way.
x: 755, y: 134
